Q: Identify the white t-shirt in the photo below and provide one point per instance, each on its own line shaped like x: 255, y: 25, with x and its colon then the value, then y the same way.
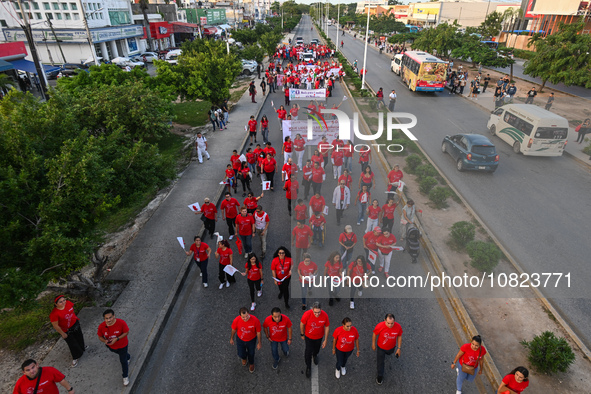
x: 201, y: 142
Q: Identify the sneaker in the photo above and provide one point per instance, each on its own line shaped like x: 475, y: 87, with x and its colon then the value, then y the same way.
x: 359, y: 224
x: 205, y: 285
x: 251, y: 368
x: 308, y: 373
x: 330, y: 302
x: 362, y: 220
x: 359, y: 293
x: 380, y: 269
x: 74, y: 363
x: 304, y: 307
x: 387, y: 275
x: 227, y: 284
x: 253, y: 306
x: 245, y: 255
x: 337, y: 373
x: 275, y: 364
x: 316, y: 360
x: 201, y: 274
x: 373, y: 272
x: 243, y: 363
x: 379, y: 379
x: 221, y: 286
x: 286, y: 354
x: 458, y: 392
x: 343, y: 371
x: 352, y: 305
x: 259, y: 293
x: 126, y: 381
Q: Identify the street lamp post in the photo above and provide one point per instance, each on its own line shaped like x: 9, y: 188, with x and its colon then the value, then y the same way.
x: 365, y: 50
x: 338, y: 22
x: 92, y: 48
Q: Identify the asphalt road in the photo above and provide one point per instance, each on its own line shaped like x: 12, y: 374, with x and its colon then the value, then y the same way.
x: 194, y: 354
x: 538, y: 207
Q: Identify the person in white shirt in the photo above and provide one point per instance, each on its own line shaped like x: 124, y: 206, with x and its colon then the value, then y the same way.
x: 261, y: 223
x: 341, y: 199
x: 392, y: 100
x: 201, y: 145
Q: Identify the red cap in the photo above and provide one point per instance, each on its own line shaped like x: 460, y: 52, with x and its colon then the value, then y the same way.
x: 376, y: 228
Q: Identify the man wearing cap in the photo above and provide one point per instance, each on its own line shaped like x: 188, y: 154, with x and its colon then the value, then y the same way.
x: 44, y: 378
x: 247, y: 329
x: 209, y: 212
x: 386, y: 336
x: 314, y: 327
x: 371, y: 246
x: 113, y: 333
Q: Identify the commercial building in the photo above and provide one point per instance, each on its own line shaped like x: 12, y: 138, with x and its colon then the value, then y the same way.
x: 466, y: 13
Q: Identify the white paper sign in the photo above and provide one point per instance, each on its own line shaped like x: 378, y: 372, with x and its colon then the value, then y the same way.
x: 242, y: 158
x: 220, y: 238
x: 345, y: 98
x: 325, y: 210
x: 272, y: 105
x: 372, y: 257
x: 397, y: 248
x: 181, y: 242
x: 266, y: 185
x: 400, y: 186
x: 230, y: 270
x: 223, y: 182
x: 195, y: 207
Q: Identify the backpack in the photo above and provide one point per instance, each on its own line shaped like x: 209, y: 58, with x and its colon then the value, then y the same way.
x: 212, y: 115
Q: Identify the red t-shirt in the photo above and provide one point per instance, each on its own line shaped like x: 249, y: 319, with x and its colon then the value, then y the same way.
x: 345, y: 340
x: 317, y: 221
x: 373, y: 212
x: 337, y: 157
x: 339, y: 143
x: 300, y: 212
x: 312, y: 107
x: 298, y: 144
x: 257, y: 152
x: 245, y: 172
x: 314, y: 326
x: 348, y: 150
x: 366, y: 179
x: 324, y: 148
x: 358, y: 270
x: 271, y: 150
x: 265, y: 123
x: 47, y: 383
x: 117, y: 329
x: 348, y: 180
x: 244, y: 224
x: 395, y: 176
x: 236, y: 163
x: 277, y: 330
x: 344, y: 237
x: 65, y: 318
x: 287, y: 169
x: 317, y: 159
x: 254, y: 271
x: 317, y: 203
x: 287, y: 90
x: 387, y: 336
x: 383, y: 240
x: 370, y: 241
x: 201, y: 254
x: 301, y: 236
x: 294, y: 111
x: 251, y: 202
x: 230, y: 207
x: 281, y: 267
x: 225, y: 255
x: 287, y: 146
x: 281, y: 114
x: 246, y: 330
x: 251, y: 158
x: 209, y: 210
x: 252, y: 125
x: 269, y: 165
x: 510, y: 382
x: 260, y: 220
x: 229, y: 173
x: 389, y: 210
x: 364, y: 157
x: 470, y: 356
x: 364, y: 197
x: 307, y: 270
x: 333, y: 269
x: 307, y: 172
x: 317, y: 175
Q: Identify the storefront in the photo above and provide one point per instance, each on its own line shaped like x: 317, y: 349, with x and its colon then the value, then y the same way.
x: 184, y: 31
x: 162, y: 35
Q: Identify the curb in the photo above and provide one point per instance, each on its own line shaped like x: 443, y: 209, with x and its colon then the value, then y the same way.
x: 586, y: 163
x: 165, y: 312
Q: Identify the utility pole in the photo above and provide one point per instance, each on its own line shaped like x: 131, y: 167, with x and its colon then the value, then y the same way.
x: 29, y: 35
x: 365, y: 50
x: 56, y: 40
x: 338, y: 22
x: 88, y: 36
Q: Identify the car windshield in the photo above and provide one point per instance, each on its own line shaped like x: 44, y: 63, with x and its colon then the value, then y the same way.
x: 483, y: 149
x: 552, y: 133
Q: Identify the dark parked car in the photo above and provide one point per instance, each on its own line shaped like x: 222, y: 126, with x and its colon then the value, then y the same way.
x: 69, y: 69
x: 471, y: 152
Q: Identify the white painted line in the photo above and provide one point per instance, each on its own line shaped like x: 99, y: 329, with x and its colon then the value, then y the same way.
x: 315, y: 384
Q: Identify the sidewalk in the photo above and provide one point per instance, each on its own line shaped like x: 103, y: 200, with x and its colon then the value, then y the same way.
x: 154, y: 267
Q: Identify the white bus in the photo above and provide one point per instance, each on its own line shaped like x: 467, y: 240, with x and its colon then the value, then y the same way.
x: 530, y: 129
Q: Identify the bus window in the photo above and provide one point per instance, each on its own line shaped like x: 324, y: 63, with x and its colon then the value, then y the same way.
x: 551, y: 133
x: 498, y: 111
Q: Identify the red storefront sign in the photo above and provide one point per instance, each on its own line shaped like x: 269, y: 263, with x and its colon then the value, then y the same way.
x: 160, y: 30
x: 12, y: 50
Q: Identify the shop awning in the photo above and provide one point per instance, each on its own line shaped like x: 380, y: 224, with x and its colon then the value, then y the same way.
x: 5, y: 66
x: 28, y: 66
x: 184, y: 27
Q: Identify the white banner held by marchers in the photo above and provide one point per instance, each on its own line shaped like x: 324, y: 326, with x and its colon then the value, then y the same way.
x: 304, y: 94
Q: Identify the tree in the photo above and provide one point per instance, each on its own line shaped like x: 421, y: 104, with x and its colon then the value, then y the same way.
x: 268, y: 42
x: 444, y: 38
x: 5, y: 82
x: 509, y: 15
x: 562, y: 57
x: 491, y: 27
x: 472, y: 49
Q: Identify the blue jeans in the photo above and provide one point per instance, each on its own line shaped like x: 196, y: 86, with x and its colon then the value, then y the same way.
x: 348, y: 164
x: 464, y: 376
x: 362, y: 208
x: 226, y: 117
x: 265, y: 132
x: 246, y: 349
x: 123, y: 359
x: 342, y: 358
x: 349, y: 257
x: 317, y: 235
x: 305, y: 286
x: 275, y: 349
x: 252, y: 168
x: 246, y: 242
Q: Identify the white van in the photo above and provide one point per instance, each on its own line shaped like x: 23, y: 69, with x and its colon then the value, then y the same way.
x: 396, y: 63
x: 172, y: 56
x: 530, y: 129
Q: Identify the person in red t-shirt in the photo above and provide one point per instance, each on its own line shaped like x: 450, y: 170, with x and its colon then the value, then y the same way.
x: 344, y: 340
x: 278, y: 329
x: 373, y: 214
x: 113, y: 333
x: 287, y: 170
x: 286, y: 93
x: 317, y: 203
x: 236, y: 163
x: 333, y: 268
x: 281, y: 115
x: 336, y: 158
x: 269, y: 149
x: 306, y: 270
x: 245, y: 175
x: 265, y: 128
x: 209, y: 216
x: 295, y: 109
x: 314, y: 329
x: 317, y: 158
x: 311, y: 109
x: 245, y: 228
x: 301, y: 238
x: 229, y: 208
x: 66, y: 323
x: 230, y: 179
x: 254, y: 276
x: 291, y: 191
x: 385, y: 243
x: 299, y: 146
x: 356, y: 272
x: 47, y: 378
x: 469, y: 356
x: 347, y: 178
x: 325, y: 150
x: 318, y: 176
x: 251, y: 159
x: 268, y: 167
x: 287, y: 149
x: 366, y: 178
x: 224, y: 255
x: 387, y: 215
x: 261, y: 224
x: 394, y: 177
x: 347, y: 240
x: 252, y: 129
x: 318, y: 223
x: 363, y: 198
x: 281, y: 268
x: 515, y: 381
x: 370, y: 244
x: 251, y: 202
x: 201, y: 253
x: 301, y: 210
x: 364, y: 159
x: 247, y: 329
x: 386, y: 337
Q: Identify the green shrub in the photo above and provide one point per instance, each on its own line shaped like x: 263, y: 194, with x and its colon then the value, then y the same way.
x: 425, y: 170
x: 426, y: 184
x: 548, y: 354
x: 462, y: 233
x: 485, y: 255
x: 523, y: 54
x: 439, y: 195
x: 587, y: 149
x: 412, y: 162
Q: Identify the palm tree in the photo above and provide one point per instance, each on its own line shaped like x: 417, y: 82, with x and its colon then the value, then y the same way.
x: 6, y: 82
x: 144, y: 7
